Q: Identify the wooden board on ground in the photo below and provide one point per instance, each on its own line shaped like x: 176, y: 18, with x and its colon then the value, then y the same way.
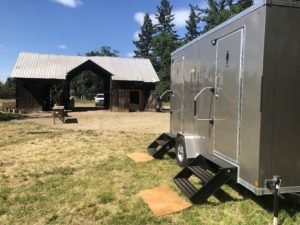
x: 163, y: 201
x: 140, y: 157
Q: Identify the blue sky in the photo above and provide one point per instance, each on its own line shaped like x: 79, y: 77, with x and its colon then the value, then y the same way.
x: 69, y: 27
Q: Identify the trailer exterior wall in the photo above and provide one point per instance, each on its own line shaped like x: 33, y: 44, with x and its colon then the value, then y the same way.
x: 177, y: 99
x: 200, y: 72
x: 280, y: 126
x: 268, y: 127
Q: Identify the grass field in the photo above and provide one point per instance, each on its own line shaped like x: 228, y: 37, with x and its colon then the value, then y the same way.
x: 79, y: 101
x: 7, y: 101
x: 58, y: 176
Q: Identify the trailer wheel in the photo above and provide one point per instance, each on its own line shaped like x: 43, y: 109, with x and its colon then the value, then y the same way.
x: 181, y: 156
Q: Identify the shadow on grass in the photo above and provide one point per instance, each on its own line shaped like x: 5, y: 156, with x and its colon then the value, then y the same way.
x: 4, y: 117
x: 87, y: 108
x: 71, y: 120
x: 289, y: 205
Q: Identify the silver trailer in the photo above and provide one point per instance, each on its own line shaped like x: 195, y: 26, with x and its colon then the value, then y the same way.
x: 234, y: 103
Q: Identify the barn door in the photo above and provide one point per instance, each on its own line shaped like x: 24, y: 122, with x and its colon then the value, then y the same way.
x: 228, y: 87
x: 177, y: 86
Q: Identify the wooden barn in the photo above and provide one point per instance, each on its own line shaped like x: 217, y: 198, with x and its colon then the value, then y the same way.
x: 128, y: 83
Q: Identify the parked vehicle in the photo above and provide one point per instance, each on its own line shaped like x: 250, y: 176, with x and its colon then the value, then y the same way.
x: 99, y: 100
x: 234, y: 111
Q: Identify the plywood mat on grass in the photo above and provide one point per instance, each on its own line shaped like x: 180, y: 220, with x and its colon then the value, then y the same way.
x: 163, y: 201
x: 140, y: 157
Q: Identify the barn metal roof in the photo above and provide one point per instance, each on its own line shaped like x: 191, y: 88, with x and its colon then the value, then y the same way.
x: 40, y: 66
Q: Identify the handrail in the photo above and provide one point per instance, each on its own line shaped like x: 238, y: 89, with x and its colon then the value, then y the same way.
x: 212, y: 89
x: 164, y: 93
x: 159, y: 103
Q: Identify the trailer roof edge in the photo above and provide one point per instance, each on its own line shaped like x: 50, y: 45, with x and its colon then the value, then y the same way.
x: 234, y: 18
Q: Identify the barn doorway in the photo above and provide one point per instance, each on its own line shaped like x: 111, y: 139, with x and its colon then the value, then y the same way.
x: 84, y: 83
x: 134, y: 101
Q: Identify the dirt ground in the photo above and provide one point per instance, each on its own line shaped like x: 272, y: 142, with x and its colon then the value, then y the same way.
x: 105, y: 120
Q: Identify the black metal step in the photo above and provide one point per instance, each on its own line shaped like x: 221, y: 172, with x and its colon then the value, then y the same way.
x: 162, y: 145
x: 151, y: 151
x: 218, y: 161
x: 162, y: 142
x: 186, y: 187
x: 171, y: 135
x: 202, y: 174
x: 211, y: 170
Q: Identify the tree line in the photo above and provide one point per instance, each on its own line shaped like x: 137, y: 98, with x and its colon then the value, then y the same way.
x: 157, y: 41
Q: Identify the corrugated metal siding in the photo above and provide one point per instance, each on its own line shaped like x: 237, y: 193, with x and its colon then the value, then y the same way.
x: 38, y: 66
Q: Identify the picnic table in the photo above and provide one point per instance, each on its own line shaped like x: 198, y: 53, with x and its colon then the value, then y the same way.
x: 8, y: 107
x: 58, y: 112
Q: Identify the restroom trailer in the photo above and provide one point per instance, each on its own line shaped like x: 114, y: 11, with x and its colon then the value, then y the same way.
x: 235, y: 104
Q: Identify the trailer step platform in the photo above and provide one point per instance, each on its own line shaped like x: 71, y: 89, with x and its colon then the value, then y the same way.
x: 162, y: 145
x: 212, y: 171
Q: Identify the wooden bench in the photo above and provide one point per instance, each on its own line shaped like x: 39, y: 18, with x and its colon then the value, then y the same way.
x: 58, y: 112
x: 9, y: 107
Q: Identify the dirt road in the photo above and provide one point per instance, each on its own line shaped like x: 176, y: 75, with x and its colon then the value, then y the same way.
x: 104, y: 120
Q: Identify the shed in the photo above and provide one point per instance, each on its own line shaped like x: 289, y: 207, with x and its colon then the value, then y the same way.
x: 128, y: 83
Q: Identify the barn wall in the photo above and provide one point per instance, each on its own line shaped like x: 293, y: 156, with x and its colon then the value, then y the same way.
x: 125, y: 94
x: 33, y: 94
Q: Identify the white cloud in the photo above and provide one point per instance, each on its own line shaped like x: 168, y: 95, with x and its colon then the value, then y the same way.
x: 139, y: 17
x: 62, y: 46
x: 180, y: 16
x: 69, y: 3
x: 153, y: 18
x: 130, y: 54
x: 136, y: 36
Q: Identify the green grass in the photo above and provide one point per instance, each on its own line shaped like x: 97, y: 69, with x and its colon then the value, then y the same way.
x: 79, y: 101
x: 84, y: 177
x: 7, y: 101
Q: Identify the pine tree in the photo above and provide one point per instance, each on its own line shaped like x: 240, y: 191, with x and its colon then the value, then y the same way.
x: 165, y: 17
x: 164, y: 42
x: 192, y: 25
x: 144, y: 46
x: 219, y: 11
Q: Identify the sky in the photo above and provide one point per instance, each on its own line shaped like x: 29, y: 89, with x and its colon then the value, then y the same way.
x: 72, y: 27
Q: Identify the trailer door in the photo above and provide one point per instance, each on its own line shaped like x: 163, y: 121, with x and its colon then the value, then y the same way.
x: 228, y: 87
x: 177, y: 86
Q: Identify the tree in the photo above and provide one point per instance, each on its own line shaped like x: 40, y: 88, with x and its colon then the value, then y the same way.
x: 192, y: 25
x: 8, y: 89
x: 86, y: 85
x: 144, y: 46
x: 165, y: 18
x: 219, y: 11
x: 165, y: 41
x: 104, y: 51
